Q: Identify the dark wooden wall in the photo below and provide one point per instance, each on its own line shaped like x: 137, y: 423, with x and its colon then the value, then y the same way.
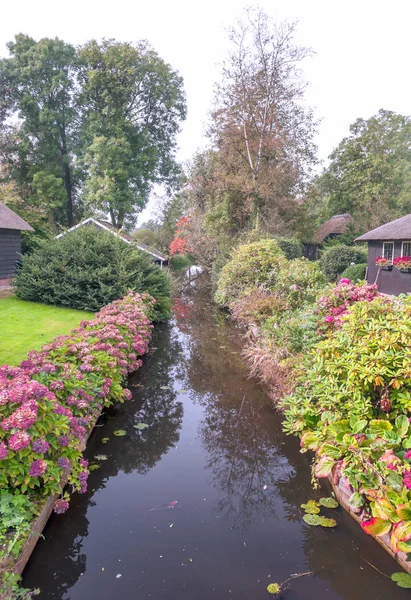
x: 389, y: 282
x: 10, y: 250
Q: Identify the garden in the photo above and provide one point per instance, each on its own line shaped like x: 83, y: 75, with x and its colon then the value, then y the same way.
x: 336, y: 358
x: 51, y: 401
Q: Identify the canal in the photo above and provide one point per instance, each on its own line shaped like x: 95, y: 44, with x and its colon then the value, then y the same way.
x: 204, y: 503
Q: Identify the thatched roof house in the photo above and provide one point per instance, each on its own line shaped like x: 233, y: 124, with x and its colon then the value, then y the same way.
x: 11, y: 226
x: 337, y: 225
x: 390, y: 241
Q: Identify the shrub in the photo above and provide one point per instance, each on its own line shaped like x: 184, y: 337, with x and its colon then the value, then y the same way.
x: 257, y: 307
x: 296, y: 332
x: 355, y: 273
x: 300, y: 281
x: 335, y: 302
x: 87, y: 269
x: 291, y: 248
x: 180, y: 262
x: 251, y: 266
x: 351, y: 407
x: 336, y: 259
x: 51, y: 400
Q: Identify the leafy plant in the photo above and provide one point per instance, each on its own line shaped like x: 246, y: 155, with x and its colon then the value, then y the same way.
x: 355, y: 273
x: 336, y: 259
x: 87, y: 269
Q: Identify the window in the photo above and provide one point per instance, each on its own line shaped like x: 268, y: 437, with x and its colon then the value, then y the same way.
x: 388, y: 250
x: 406, y: 249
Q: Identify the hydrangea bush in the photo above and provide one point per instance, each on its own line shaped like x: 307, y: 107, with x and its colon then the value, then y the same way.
x: 51, y: 401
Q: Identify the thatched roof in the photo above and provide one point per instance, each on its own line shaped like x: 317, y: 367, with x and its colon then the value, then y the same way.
x: 9, y: 220
x: 336, y: 225
x: 400, y: 229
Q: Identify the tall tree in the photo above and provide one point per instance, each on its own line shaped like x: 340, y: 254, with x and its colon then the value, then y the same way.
x: 260, y: 128
x: 134, y: 103
x: 369, y: 175
x: 37, y: 84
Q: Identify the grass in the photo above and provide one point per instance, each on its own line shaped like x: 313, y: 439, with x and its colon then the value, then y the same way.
x: 26, y: 326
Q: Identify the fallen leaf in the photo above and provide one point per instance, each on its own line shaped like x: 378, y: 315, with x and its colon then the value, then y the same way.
x: 140, y: 426
x: 329, y: 502
x: 164, y: 387
x: 120, y: 432
x: 93, y: 467
x: 105, y: 440
x: 100, y: 457
x: 273, y: 588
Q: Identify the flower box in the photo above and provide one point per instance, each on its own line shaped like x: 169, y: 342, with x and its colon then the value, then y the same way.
x: 386, y: 268
x: 408, y: 270
x: 384, y: 263
x: 403, y: 264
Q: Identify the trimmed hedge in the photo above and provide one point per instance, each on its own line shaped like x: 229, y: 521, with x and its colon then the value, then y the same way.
x: 355, y: 272
x: 338, y: 258
x: 87, y: 269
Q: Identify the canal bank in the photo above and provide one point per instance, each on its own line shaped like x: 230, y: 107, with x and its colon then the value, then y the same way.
x: 204, y: 502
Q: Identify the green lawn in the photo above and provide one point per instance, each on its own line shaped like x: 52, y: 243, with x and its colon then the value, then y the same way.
x: 26, y: 326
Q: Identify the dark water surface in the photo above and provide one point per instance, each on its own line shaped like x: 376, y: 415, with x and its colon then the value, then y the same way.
x: 215, y: 449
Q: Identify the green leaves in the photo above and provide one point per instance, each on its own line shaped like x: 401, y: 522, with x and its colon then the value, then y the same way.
x: 329, y: 502
x: 402, y: 425
x: 324, y: 466
x: 120, y: 432
x: 311, y: 507
x: 315, y: 520
x: 380, y: 426
x: 356, y: 500
x: 376, y: 526
x: 402, y: 579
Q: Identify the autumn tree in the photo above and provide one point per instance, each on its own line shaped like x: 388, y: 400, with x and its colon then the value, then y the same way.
x: 260, y: 128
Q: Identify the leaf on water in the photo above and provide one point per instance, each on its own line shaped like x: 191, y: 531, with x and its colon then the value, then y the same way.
x: 105, y: 440
x: 310, y: 509
x: 100, y: 457
x: 140, y: 426
x: 328, y: 522
x: 402, y: 579
x: 273, y: 588
x: 164, y: 387
x: 329, y: 502
x: 93, y: 467
x: 312, y: 519
x: 182, y: 391
x: 120, y: 432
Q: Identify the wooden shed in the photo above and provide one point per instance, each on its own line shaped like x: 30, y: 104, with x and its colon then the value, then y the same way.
x: 11, y: 226
x: 389, y: 241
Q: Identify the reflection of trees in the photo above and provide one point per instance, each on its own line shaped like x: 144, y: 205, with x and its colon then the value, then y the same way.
x: 60, y: 558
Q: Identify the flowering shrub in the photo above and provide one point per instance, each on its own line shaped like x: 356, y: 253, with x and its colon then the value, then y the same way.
x: 50, y: 402
x: 381, y: 261
x: 352, y: 407
x: 332, y: 306
x: 402, y: 262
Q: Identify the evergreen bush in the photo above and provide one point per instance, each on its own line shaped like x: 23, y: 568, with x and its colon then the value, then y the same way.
x: 355, y: 273
x: 87, y: 269
x: 338, y: 258
x: 292, y: 248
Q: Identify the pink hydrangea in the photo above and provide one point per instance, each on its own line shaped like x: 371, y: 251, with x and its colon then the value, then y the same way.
x: 37, y: 468
x: 60, y: 506
x: 19, y: 440
x: 4, y: 451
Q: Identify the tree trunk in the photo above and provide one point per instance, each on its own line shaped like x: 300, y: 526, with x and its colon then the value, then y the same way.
x: 69, y: 191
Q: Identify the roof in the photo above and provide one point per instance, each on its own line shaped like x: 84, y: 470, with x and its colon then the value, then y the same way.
x: 337, y: 224
x: 400, y: 229
x: 122, y: 234
x: 9, y: 220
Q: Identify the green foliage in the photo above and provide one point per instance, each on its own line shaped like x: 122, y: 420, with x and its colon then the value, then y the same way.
x: 295, y: 332
x: 337, y: 258
x: 16, y: 513
x: 292, y: 248
x: 299, y: 281
x: 11, y: 590
x: 369, y: 172
x: 355, y: 273
x: 180, y: 262
x: 87, y: 269
x: 251, y: 266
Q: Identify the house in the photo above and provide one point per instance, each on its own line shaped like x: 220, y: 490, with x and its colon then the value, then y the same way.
x: 11, y: 226
x: 337, y: 225
x: 158, y: 257
x: 391, y: 242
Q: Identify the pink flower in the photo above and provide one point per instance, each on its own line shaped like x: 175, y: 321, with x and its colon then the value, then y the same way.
x: 407, y: 480
x: 344, y: 280
x: 19, y: 440
x: 328, y: 319
x: 37, y: 468
x: 3, y: 451
x: 407, y: 455
x: 60, y: 506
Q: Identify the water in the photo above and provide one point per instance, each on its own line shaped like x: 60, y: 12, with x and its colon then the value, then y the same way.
x: 215, y: 449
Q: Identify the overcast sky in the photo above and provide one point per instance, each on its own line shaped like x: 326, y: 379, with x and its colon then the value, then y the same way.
x: 362, y: 60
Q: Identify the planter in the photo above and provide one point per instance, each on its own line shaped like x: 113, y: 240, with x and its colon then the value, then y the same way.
x: 386, y: 268
x: 408, y: 270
